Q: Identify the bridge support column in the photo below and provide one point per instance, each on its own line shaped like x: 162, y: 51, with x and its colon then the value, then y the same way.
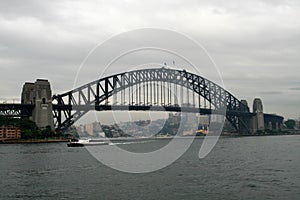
x: 258, y: 123
x: 39, y: 94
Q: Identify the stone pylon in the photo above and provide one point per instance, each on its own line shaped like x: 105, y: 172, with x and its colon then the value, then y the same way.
x: 258, y: 120
x: 39, y: 94
x: 244, y: 122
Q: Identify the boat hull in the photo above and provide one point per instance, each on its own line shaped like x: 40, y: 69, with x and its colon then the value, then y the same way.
x: 75, y: 144
x: 79, y: 144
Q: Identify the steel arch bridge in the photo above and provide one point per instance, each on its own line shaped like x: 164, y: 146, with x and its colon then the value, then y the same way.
x: 160, y: 89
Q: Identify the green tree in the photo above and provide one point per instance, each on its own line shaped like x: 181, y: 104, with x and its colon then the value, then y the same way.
x: 290, y: 123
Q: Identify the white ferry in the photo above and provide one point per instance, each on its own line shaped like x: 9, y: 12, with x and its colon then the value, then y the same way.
x: 86, y: 142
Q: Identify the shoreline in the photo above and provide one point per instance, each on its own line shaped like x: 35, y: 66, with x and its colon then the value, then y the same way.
x: 63, y: 140
x: 30, y: 141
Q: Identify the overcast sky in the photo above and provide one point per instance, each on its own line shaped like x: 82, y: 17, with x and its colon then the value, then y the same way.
x: 256, y: 44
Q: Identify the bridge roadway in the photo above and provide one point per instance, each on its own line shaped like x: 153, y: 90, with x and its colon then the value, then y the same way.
x: 201, y: 111
x: 24, y: 110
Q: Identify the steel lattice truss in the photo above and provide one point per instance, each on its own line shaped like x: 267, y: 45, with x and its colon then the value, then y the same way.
x: 16, y: 110
x: 141, y: 90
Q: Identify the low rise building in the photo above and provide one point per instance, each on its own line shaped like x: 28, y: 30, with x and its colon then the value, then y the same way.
x: 9, y: 133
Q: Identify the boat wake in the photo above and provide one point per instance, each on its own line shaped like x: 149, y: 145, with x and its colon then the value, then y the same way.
x: 89, y: 142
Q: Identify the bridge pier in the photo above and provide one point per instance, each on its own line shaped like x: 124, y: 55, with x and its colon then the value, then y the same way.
x: 39, y: 95
x: 258, y: 123
x: 273, y: 122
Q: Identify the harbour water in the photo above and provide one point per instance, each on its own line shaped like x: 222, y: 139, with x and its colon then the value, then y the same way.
x: 237, y: 168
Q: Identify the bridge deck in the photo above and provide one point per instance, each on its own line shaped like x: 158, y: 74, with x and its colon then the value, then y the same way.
x: 202, y: 111
x: 16, y: 110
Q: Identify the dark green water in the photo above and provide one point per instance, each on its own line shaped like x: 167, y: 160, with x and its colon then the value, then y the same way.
x: 237, y: 168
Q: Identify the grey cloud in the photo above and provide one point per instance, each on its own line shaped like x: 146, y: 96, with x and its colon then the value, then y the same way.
x: 271, y: 92
x: 295, y: 88
x: 255, y: 44
x: 15, y: 9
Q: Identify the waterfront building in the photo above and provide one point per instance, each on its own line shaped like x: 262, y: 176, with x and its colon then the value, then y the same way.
x: 89, y: 129
x: 93, y: 129
x: 9, y: 133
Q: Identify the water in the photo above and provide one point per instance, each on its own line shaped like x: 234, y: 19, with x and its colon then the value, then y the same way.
x: 237, y: 168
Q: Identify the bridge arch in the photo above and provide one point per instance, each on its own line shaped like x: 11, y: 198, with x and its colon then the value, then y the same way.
x: 72, y: 105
